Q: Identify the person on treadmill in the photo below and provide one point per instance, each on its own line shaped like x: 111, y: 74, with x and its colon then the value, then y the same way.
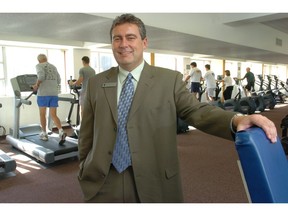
x: 48, y: 80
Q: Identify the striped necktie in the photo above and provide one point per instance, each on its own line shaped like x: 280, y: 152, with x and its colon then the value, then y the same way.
x: 121, y: 158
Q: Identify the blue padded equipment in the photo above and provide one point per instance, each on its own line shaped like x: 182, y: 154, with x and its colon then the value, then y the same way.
x: 265, y: 166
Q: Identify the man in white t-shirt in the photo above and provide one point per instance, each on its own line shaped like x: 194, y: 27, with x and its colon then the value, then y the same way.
x: 209, y: 78
x: 195, y: 75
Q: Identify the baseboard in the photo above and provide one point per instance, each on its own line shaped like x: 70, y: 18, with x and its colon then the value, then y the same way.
x: 2, y: 137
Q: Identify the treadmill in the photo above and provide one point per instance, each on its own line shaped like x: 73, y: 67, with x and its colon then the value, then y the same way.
x: 7, y: 164
x: 26, y: 138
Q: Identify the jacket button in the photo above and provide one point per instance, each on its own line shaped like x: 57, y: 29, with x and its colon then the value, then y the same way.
x: 115, y: 129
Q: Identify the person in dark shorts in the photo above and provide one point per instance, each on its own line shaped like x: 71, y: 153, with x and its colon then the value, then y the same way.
x: 195, y: 75
x: 228, y: 85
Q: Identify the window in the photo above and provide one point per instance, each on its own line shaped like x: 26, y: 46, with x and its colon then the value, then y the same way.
x: 232, y: 66
x: 147, y: 57
x: 169, y: 61
x: 2, y: 72
x: 102, y: 61
x: 275, y: 70
x: 22, y: 60
x: 106, y: 61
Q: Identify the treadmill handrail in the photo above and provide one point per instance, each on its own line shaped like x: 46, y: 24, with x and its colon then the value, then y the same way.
x: 24, y: 101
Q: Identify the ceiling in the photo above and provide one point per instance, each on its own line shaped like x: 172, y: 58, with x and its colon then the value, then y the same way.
x: 80, y: 29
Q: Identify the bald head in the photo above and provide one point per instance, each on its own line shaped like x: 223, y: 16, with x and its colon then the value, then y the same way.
x: 42, y: 58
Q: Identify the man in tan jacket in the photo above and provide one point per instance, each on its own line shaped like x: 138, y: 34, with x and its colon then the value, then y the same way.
x: 160, y: 96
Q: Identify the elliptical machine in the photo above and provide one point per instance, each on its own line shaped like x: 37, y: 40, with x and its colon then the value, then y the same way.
x: 268, y: 98
x: 245, y: 105
x: 217, y: 101
x: 278, y: 95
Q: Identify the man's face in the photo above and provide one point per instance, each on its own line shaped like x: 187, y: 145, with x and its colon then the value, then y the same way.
x: 127, y: 46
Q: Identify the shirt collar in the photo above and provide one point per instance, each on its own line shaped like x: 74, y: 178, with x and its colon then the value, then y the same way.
x: 135, y: 73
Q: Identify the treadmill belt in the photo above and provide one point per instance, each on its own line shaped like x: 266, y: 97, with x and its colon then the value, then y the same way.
x: 53, y: 144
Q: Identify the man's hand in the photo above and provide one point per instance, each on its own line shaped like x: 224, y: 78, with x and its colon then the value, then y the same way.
x: 244, y: 122
x: 35, y: 87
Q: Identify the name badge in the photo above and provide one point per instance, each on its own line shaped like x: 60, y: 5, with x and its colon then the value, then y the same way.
x: 109, y: 85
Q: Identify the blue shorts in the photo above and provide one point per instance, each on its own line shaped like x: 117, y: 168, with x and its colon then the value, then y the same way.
x: 47, y: 101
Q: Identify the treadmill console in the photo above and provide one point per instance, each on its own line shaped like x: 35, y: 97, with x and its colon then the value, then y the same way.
x: 24, y: 83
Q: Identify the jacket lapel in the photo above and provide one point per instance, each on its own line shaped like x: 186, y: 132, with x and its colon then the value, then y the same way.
x: 110, y: 90
x: 145, y: 82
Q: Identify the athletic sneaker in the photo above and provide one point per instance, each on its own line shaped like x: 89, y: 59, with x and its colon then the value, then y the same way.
x: 43, y: 136
x: 62, y: 136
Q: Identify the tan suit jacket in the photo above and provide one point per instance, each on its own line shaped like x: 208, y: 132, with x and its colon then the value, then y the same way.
x: 160, y: 96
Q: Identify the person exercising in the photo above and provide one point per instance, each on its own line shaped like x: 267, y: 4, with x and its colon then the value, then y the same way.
x: 195, y: 76
x: 48, y: 80
x: 250, y: 81
x: 84, y: 74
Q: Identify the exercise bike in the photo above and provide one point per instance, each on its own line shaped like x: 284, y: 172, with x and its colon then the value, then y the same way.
x: 75, y: 91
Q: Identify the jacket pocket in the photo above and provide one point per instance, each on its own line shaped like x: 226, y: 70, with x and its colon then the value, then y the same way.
x: 171, y: 172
